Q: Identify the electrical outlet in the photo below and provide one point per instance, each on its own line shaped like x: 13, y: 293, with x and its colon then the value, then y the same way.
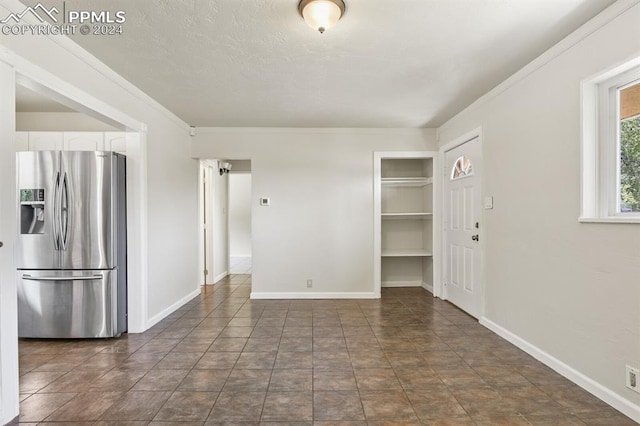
x: 632, y: 378
x: 309, y: 283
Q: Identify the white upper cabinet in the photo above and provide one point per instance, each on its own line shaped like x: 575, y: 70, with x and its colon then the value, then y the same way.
x: 115, y: 141
x: 72, y: 141
x: 83, y: 141
x: 45, y: 141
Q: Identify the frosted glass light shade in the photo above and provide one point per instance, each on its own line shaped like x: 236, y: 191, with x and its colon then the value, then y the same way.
x: 321, y: 14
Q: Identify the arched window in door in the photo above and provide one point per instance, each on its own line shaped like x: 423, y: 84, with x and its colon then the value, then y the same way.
x: 462, y: 168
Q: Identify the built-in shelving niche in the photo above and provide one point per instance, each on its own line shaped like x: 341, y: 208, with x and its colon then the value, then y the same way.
x: 406, y: 217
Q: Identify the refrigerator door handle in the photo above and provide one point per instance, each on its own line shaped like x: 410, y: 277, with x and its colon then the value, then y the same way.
x: 56, y: 219
x: 86, y: 278
x: 65, y: 211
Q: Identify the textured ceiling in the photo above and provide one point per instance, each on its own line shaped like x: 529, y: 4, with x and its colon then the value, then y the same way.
x: 388, y: 63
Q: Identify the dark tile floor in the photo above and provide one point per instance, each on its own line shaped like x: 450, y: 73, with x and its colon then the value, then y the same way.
x: 222, y: 358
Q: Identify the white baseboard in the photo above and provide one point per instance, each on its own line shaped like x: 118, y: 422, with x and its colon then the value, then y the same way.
x: 615, y: 400
x: 171, y: 309
x: 363, y: 295
x: 402, y: 283
x: 428, y: 287
x: 221, y: 276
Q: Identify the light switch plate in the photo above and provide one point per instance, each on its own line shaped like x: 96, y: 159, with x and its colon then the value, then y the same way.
x: 265, y: 201
x: 488, y: 203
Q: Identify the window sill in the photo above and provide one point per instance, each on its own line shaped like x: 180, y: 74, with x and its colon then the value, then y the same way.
x: 611, y: 219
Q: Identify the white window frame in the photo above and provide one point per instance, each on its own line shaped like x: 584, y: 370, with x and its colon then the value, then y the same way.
x: 600, y: 196
x: 453, y: 171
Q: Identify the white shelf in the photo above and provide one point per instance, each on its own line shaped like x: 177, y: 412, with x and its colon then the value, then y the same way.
x: 406, y: 181
x: 401, y: 216
x: 406, y: 253
x: 413, y: 283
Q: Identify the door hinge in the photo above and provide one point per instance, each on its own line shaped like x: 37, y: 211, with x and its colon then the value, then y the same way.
x: 206, y: 272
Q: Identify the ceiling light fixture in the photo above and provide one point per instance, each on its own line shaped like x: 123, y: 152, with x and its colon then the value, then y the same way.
x: 321, y: 14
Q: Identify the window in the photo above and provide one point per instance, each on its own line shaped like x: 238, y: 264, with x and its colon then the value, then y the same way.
x: 611, y: 146
x: 629, y: 139
x: 462, y: 168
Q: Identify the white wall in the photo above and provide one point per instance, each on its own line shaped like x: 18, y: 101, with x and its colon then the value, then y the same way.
x: 567, y: 288
x: 60, y: 122
x: 8, y: 208
x: 240, y: 166
x: 240, y: 214
x: 171, y: 172
x: 320, y: 222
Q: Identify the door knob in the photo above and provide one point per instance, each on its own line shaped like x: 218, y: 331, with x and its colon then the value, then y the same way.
x: 475, y: 237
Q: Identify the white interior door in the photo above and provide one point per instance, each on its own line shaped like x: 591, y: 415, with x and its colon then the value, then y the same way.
x: 220, y: 219
x: 205, y: 251
x: 209, y: 228
x: 462, y: 285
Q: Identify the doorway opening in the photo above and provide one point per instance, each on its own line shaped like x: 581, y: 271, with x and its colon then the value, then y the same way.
x: 225, y: 211
x: 44, y: 113
x: 405, y: 211
x: 47, y: 120
x: 240, y: 218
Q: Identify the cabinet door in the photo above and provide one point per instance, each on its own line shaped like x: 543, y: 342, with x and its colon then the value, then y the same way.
x: 83, y: 141
x: 45, y: 141
x: 22, y: 141
x: 115, y: 141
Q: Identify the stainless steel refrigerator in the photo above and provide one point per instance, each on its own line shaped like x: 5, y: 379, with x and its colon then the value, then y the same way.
x: 71, y: 251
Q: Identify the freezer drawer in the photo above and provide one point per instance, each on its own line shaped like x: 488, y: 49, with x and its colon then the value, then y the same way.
x: 68, y: 304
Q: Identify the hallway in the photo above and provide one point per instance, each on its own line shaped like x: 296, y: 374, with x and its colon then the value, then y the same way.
x: 407, y: 358
x: 240, y: 265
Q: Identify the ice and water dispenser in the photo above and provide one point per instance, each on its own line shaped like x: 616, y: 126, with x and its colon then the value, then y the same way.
x: 32, y: 207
